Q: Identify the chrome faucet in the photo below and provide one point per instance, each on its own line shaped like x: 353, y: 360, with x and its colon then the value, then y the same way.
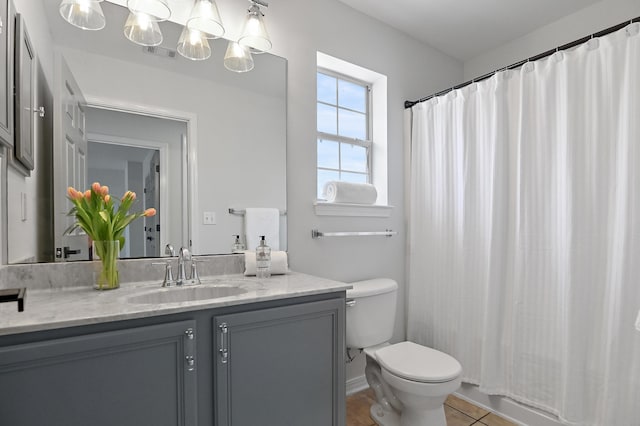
x: 183, y: 255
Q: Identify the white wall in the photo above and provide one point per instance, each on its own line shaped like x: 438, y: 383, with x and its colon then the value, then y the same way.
x: 21, y: 234
x: 589, y: 20
x: 298, y: 29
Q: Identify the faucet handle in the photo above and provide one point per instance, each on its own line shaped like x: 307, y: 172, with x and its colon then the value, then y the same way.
x: 168, y: 281
x: 169, y: 250
x: 195, y: 278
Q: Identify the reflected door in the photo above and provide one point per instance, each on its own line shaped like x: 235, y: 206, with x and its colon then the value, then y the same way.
x: 70, y: 157
x: 152, y: 199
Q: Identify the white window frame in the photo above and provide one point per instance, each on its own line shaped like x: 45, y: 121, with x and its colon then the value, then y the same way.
x: 366, y: 143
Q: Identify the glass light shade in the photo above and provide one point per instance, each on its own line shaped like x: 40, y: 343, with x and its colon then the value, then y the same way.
x: 85, y: 14
x: 205, y: 18
x: 158, y: 10
x: 254, y: 32
x: 142, y: 29
x: 193, y: 45
x: 238, y: 58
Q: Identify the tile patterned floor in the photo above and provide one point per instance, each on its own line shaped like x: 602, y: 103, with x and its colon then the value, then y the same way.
x: 458, y: 412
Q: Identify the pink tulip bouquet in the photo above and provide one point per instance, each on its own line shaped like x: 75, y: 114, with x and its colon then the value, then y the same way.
x: 104, y: 222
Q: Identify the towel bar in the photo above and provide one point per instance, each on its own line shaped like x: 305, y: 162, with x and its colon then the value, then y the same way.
x: 386, y: 233
x: 241, y: 212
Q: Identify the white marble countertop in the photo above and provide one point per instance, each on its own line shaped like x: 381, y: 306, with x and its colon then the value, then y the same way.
x: 74, y: 306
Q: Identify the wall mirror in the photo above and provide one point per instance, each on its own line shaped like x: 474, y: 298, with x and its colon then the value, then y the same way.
x: 217, y: 137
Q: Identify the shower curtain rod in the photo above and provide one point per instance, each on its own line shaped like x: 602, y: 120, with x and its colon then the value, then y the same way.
x: 409, y: 104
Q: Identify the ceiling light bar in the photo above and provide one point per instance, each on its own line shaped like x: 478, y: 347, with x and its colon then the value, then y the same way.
x: 204, y: 22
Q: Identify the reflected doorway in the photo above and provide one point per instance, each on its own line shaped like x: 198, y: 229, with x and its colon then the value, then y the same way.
x: 130, y: 168
x: 146, y: 154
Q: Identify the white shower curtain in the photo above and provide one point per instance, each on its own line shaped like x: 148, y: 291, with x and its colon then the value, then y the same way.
x: 524, y: 242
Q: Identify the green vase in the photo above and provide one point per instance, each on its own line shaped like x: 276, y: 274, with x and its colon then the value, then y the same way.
x: 105, y: 274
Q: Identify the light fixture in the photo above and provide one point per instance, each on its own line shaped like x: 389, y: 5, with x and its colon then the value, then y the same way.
x: 204, y: 23
x: 85, y: 14
x: 238, y: 58
x: 142, y: 29
x: 157, y: 10
x: 205, y: 18
x: 254, y: 32
x: 193, y: 45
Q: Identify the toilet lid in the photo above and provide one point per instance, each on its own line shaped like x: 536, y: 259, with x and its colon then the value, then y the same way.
x: 418, y: 363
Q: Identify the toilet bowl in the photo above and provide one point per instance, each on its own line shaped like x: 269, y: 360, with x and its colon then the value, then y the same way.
x: 410, y: 381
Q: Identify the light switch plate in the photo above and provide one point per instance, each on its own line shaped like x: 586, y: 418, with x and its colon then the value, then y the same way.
x: 23, y: 206
x: 638, y: 322
x: 209, y: 218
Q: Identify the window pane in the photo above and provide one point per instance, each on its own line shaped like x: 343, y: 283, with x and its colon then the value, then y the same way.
x: 352, y: 96
x: 325, y: 176
x: 354, y: 158
x: 353, y: 177
x: 328, y: 154
x: 327, y: 89
x: 327, y: 119
x: 352, y: 124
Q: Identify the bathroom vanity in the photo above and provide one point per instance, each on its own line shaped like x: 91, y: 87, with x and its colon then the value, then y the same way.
x: 271, y: 355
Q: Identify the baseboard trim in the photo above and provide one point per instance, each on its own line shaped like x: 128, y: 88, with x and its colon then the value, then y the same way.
x: 505, y: 407
x: 356, y: 384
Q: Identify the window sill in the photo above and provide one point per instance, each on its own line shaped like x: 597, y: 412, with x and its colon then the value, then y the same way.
x: 359, y: 210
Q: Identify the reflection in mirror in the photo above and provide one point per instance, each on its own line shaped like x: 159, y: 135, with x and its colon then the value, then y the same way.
x: 126, y: 167
x: 219, y: 137
x: 142, y: 154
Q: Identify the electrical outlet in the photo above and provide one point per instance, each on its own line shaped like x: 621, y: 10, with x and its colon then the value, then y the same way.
x: 209, y: 218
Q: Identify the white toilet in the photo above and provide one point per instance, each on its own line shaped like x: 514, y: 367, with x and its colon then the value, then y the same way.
x: 411, y: 381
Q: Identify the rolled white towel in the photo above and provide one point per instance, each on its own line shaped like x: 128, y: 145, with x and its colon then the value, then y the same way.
x: 352, y: 193
x: 279, y: 262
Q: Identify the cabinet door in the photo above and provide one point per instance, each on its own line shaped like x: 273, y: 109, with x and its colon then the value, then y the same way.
x: 281, y: 366
x: 139, y: 376
x: 6, y: 73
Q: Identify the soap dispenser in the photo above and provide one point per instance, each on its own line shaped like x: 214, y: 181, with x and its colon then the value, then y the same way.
x: 237, y: 246
x: 263, y: 259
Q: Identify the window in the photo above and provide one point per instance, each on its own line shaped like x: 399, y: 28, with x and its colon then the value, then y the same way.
x: 344, y: 129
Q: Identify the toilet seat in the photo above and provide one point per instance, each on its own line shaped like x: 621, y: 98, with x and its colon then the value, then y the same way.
x: 418, y: 363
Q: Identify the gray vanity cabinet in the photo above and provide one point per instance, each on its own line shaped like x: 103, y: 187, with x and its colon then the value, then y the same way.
x: 6, y: 73
x: 271, y: 363
x: 136, y: 376
x: 282, y: 366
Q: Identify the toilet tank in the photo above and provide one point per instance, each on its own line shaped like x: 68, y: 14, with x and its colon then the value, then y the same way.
x: 371, y: 318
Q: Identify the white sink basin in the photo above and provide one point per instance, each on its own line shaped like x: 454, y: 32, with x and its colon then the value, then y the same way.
x: 187, y: 294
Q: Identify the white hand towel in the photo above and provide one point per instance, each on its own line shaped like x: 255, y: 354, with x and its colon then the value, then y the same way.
x: 279, y: 263
x: 352, y: 193
x: 260, y: 221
